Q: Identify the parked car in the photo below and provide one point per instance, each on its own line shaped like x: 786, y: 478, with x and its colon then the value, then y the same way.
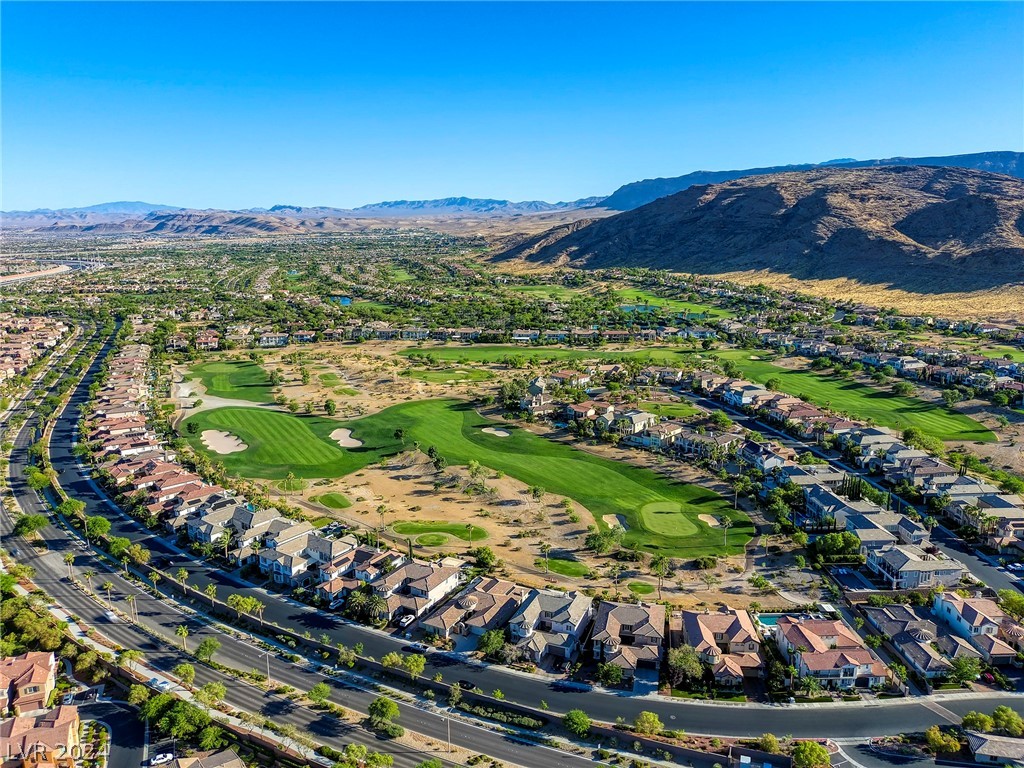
x: 405, y: 621
x: 162, y: 759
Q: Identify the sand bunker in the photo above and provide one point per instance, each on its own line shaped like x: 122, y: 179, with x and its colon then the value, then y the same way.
x: 222, y: 442
x: 711, y: 520
x: 616, y: 520
x: 495, y: 432
x: 343, y: 437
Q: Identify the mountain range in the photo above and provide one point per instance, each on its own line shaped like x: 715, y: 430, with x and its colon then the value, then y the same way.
x: 919, y: 228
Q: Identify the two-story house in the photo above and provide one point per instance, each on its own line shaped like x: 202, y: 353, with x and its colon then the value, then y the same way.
x: 982, y: 622
x: 628, y: 635
x: 727, y: 641
x: 829, y: 651
x: 551, y: 623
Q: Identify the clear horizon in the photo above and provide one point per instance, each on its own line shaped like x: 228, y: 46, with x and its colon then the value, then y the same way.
x: 247, y: 105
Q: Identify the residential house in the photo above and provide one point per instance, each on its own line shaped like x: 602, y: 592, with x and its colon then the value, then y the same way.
x: 414, y: 587
x: 829, y: 651
x: 47, y: 739
x: 982, y: 622
x: 913, y: 634
x: 26, y: 681
x: 551, y: 623
x: 905, y: 566
x: 990, y: 749
x: 727, y: 641
x: 486, y: 604
x: 629, y: 635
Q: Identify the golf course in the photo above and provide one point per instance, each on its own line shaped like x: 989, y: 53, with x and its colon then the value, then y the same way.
x: 659, y: 514
x: 234, y: 379
x: 861, y: 401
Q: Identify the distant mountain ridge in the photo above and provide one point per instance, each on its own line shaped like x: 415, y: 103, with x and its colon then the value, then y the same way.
x: 918, y: 228
x: 630, y: 196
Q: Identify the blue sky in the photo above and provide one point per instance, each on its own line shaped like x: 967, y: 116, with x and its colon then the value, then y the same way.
x: 251, y: 104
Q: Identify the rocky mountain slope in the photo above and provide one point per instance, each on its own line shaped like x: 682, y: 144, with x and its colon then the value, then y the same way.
x: 911, y: 227
x: 630, y: 196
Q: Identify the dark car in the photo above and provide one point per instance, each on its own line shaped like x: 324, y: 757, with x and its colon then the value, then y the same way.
x: 466, y: 685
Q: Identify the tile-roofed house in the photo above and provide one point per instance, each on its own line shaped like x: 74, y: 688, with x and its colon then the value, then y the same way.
x: 830, y: 651
x: 414, y: 587
x: 727, y: 641
x: 550, y: 622
x: 629, y: 635
x: 991, y: 749
x: 487, y: 604
x: 905, y: 566
x: 26, y: 681
x: 983, y: 623
x: 913, y: 634
x: 224, y: 759
x: 47, y: 739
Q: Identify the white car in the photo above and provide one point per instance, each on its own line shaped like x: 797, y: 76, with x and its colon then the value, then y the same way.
x: 336, y: 604
x: 405, y: 621
x: 162, y: 758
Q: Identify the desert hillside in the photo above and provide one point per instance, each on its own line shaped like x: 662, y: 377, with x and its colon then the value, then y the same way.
x: 915, y: 229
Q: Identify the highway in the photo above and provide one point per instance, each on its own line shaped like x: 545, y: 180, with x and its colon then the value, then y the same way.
x: 844, y: 720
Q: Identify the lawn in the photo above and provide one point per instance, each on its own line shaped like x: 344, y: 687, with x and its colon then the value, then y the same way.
x: 293, y: 485
x: 332, y: 500
x: 638, y: 297
x: 1016, y: 353
x: 432, y: 539
x: 672, y: 410
x: 572, y: 568
x: 661, y: 515
x: 557, y: 292
x: 329, y: 379
x: 459, y: 530
x: 860, y: 400
x: 235, y: 379
x: 449, y: 375
x: 641, y: 588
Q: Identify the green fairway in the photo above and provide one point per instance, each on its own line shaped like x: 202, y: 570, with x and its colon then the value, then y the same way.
x: 449, y: 375
x: 329, y: 379
x: 432, y: 539
x: 562, y: 566
x: 458, y: 530
x: 672, y: 410
x: 293, y: 485
x: 1016, y: 354
x: 280, y: 442
x: 860, y: 400
x: 237, y: 380
x: 332, y: 500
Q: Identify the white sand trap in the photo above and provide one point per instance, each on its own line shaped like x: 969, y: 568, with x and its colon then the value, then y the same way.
x: 222, y: 442
x: 711, y: 520
x: 616, y: 520
x: 495, y: 432
x: 343, y: 437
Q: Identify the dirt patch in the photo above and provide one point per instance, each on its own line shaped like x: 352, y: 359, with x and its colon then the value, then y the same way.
x: 616, y: 520
x: 495, y: 432
x: 343, y: 437
x: 222, y: 442
x: 710, y: 520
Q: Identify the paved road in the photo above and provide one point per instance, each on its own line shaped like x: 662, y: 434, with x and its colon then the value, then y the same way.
x: 127, y: 731
x: 845, y: 720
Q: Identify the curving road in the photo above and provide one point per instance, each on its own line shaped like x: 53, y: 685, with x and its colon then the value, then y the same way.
x: 845, y: 720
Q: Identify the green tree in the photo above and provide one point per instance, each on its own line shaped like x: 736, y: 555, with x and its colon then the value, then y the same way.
x: 415, y: 664
x: 609, y: 674
x: 939, y: 742
x: 211, y: 694
x: 1008, y: 721
x: 648, y: 723
x: 577, y: 722
x: 977, y: 721
x: 30, y: 524
x: 769, y: 743
x: 137, y: 695
x: 207, y: 648
x: 382, y: 711
x: 684, y: 663
x: 490, y: 642
x: 319, y: 693
x: 964, y: 669
x: 182, y: 632
x: 96, y: 527
x: 185, y: 672
x: 810, y: 754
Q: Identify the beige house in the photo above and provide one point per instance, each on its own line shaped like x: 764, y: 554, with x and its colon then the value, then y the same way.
x: 629, y: 636
x: 726, y: 641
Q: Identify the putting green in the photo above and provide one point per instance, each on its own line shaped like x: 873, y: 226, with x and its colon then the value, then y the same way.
x: 234, y: 379
x: 641, y: 588
x: 563, y: 567
x: 441, y: 528
x: 667, y: 518
x: 332, y: 500
x: 432, y: 539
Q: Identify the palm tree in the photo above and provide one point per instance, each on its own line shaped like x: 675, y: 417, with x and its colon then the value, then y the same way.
x: 182, y: 576
x: 130, y: 599
x: 228, y: 536
x: 182, y: 632
x: 69, y: 560
x: 726, y: 525
x: 154, y: 578
x: 211, y: 592
x: 376, y: 605
x: 357, y: 602
x: 545, y: 548
x: 660, y: 567
x: 469, y: 530
x: 88, y: 575
x: 258, y: 608
x: 107, y: 586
